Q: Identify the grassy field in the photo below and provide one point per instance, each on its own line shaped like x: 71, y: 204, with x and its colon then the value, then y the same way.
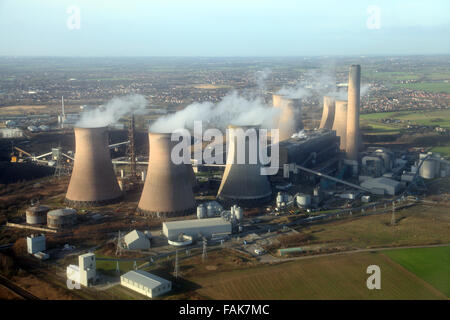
x: 331, y: 277
x: 427, y: 86
x: 443, y: 150
x: 429, y: 264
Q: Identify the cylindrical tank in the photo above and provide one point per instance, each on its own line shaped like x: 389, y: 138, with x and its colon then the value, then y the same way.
x: 37, y: 215
x: 239, y: 213
x: 61, y: 218
x: 201, y: 212
x: 428, y: 168
x: 303, y: 200
x: 211, y: 212
x: 280, y: 198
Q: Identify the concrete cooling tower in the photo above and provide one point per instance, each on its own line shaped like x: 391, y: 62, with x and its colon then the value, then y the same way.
x: 290, y: 118
x: 242, y: 183
x: 353, y: 134
x: 340, y: 122
x: 327, y: 113
x: 168, y: 187
x: 93, y: 182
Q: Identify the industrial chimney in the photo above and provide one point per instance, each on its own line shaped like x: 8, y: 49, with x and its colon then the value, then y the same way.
x: 340, y: 122
x: 327, y: 113
x: 353, y: 134
x: 242, y: 183
x: 290, y: 118
x: 93, y: 182
x: 168, y: 186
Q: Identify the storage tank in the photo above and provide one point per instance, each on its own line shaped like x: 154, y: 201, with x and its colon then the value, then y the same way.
x: 37, y: 215
x: 201, y: 211
x: 303, y: 200
x: 243, y: 183
x: 280, y: 198
x: 210, y: 210
x: 168, y: 186
x: 429, y: 168
x: 61, y: 218
x: 93, y: 181
x: 340, y: 122
x: 239, y: 213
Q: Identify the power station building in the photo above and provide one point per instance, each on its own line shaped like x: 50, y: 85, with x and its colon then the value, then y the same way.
x: 145, y: 283
x: 242, y: 181
x: 196, y: 228
x: 93, y: 182
x: 168, y: 186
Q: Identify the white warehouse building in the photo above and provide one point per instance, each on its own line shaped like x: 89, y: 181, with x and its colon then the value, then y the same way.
x: 205, y: 227
x: 145, y: 283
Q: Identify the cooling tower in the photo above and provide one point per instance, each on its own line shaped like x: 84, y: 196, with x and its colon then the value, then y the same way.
x: 168, y: 187
x: 93, y: 182
x: 192, y: 178
x: 340, y: 122
x: 242, y: 183
x: 353, y: 134
x: 290, y: 118
x: 327, y: 113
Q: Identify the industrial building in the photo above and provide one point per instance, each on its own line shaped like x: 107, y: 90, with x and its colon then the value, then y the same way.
x: 243, y: 183
x: 382, y: 186
x: 168, y: 186
x: 37, y: 214
x: 290, y: 118
x: 136, y: 240
x: 61, y: 218
x: 196, y: 228
x: 85, y: 273
x: 93, y: 182
x: 145, y: 283
x: 35, y: 243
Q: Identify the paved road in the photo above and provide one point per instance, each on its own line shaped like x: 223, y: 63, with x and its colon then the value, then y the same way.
x: 270, y: 258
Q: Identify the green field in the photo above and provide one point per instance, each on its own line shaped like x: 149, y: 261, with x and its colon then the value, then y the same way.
x: 331, y: 277
x: 427, y: 86
x: 443, y: 150
x: 429, y: 264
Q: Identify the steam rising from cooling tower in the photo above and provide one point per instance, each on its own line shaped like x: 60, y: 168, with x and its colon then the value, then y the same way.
x: 112, y: 111
x: 233, y: 108
x: 290, y: 118
x: 353, y: 134
x: 93, y: 181
x: 327, y: 113
x: 340, y: 122
x: 243, y: 183
x: 168, y: 186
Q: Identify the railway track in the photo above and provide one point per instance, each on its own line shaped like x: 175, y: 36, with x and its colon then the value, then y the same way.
x: 16, y: 289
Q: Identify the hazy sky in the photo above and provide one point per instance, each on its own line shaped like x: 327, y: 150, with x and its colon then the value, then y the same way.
x: 223, y: 27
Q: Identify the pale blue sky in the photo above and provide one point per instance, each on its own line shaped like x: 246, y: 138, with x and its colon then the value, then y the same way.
x: 223, y: 28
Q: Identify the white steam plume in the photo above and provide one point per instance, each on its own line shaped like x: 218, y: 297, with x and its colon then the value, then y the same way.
x: 232, y: 109
x: 112, y: 111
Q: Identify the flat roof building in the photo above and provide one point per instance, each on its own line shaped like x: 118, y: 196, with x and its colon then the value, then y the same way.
x: 389, y: 186
x: 145, y: 283
x: 205, y: 227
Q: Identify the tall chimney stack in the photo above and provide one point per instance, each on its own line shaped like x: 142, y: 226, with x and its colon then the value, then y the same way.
x: 354, y: 84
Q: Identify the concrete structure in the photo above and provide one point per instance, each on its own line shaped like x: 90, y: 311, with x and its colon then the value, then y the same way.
x: 136, y: 240
x: 93, y: 181
x: 61, y: 218
x: 340, y: 122
x: 242, y: 181
x: 353, y: 134
x: 327, y: 113
x: 429, y: 168
x: 201, y: 211
x: 145, y: 283
x: 206, y: 227
x: 85, y: 273
x: 35, y: 243
x: 303, y: 200
x: 37, y: 214
x: 290, y: 118
x: 168, y: 186
x: 389, y: 186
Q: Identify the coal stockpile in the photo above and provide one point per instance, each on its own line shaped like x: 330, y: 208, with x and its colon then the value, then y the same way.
x: 15, y: 172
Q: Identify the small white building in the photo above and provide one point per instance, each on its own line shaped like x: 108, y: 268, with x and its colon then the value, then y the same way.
x: 136, y: 240
x: 35, y: 243
x: 205, y: 227
x: 85, y: 272
x: 145, y: 283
